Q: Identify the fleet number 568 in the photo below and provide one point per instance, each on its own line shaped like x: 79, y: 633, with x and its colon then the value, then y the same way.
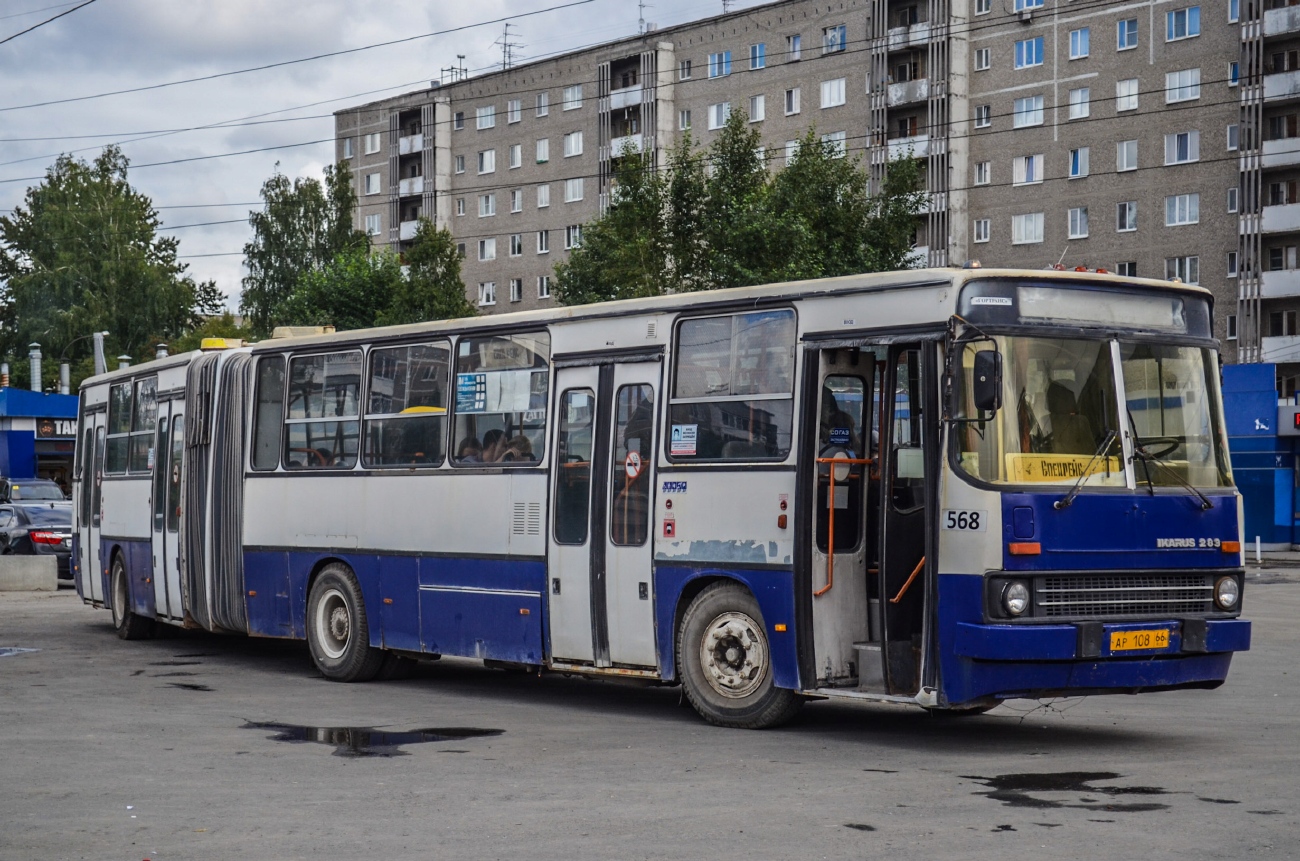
x: 964, y: 521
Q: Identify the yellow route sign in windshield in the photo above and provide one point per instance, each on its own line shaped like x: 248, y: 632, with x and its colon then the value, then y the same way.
x: 1030, y: 468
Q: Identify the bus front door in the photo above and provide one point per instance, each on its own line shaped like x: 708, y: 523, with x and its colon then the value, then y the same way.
x: 166, y: 501
x: 92, y: 512
x: 601, y: 607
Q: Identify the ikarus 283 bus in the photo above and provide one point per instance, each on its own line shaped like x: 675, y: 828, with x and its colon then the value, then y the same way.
x: 945, y: 488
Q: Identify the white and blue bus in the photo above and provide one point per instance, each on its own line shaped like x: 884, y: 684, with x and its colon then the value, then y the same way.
x: 938, y: 487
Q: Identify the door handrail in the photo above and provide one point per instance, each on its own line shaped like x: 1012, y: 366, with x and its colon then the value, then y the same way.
x: 830, y: 524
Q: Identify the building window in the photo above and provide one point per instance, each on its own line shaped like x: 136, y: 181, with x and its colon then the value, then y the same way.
x: 1027, y: 170
x: 572, y: 98
x: 1127, y: 268
x: 487, y: 292
x: 1186, y: 269
x: 516, y: 244
x: 983, y: 59
x: 487, y: 161
x: 757, y: 109
x: 1027, y: 229
x: 757, y: 56
x: 1022, y: 5
x: 983, y: 7
x: 720, y: 64
x: 1029, y: 52
x: 371, y: 143
x: 572, y: 144
x: 1182, y: 147
x: 543, y: 196
x: 1232, y: 264
x: 1232, y: 137
x: 1182, y: 23
x: 487, y: 249
x: 516, y: 156
x: 514, y: 111
x: 718, y: 115
x: 834, y: 39
x: 1126, y: 156
x: 980, y: 230
x: 460, y: 206
x: 487, y: 205
x: 1234, y: 11
x: 1232, y: 324
x: 684, y: 120
x: 983, y: 172
x: 1182, y: 209
x: 517, y: 200
x: 791, y: 149
x: 572, y: 236
x: 372, y: 183
x: 460, y: 250
x: 1028, y: 112
x: 372, y: 225
x: 543, y: 286
x: 1126, y: 95
x: 792, y: 102
x: 1079, y: 222
x: 543, y: 150
x: 983, y: 116
x: 837, y: 141
x: 1079, y: 106
x: 1234, y: 74
x: 684, y: 70
x: 458, y: 121
x: 347, y: 147
x: 1127, y: 35
x: 833, y: 93
x: 1079, y: 43
x: 486, y: 117
x: 516, y: 289
x: 460, y: 164
x: 1182, y: 86
x: 573, y: 190
x: 1079, y: 163
x: 543, y: 242
x: 1126, y: 216
x: 793, y: 47
x: 543, y: 104
x: 1232, y: 199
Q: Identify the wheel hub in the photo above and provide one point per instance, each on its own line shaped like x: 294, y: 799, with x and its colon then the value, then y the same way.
x: 339, y: 624
x: 733, y: 654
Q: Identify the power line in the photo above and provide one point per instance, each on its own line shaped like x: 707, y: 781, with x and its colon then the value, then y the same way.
x: 34, y: 11
x: 46, y: 21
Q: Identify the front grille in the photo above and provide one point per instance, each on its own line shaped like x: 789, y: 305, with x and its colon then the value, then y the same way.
x: 1093, y: 596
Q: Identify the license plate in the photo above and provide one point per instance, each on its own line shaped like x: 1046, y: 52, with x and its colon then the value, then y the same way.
x: 1128, y: 641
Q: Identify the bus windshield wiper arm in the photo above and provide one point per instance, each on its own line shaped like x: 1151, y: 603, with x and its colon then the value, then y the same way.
x: 1147, y: 458
x: 1087, y: 470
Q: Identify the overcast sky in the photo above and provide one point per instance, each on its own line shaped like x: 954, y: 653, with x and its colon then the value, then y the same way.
x: 115, y: 45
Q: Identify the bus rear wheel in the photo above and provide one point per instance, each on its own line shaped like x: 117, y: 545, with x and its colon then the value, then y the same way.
x: 337, y: 632
x: 128, y: 625
x: 725, y: 661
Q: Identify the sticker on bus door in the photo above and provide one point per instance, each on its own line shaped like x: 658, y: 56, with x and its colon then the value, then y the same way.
x: 684, y: 439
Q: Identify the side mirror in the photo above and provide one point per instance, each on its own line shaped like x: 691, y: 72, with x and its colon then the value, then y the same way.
x: 986, y: 384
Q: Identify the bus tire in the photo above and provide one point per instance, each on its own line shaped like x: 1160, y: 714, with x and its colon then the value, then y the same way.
x: 337, y: 632
x: 724, y: 660
x: 128, y: 625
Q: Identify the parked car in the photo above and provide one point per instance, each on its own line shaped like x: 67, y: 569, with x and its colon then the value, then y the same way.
x: 29, y: 490
x: 39, y: 529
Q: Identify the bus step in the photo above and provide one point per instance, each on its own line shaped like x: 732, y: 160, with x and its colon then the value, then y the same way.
x: 871, y: 669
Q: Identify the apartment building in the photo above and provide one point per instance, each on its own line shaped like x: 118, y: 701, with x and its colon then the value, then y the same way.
x: 1099, y: 134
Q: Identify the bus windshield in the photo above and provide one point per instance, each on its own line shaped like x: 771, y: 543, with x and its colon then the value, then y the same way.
x: 1061, y: 419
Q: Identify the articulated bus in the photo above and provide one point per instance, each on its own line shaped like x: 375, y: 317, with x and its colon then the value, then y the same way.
x: 945, y: 488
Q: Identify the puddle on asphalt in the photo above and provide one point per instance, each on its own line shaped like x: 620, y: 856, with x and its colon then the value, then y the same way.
x: 1025, y: 790
x: 10, y: 651
x: 365, y: 740
x: 189, y: 686
x: 858, y: 826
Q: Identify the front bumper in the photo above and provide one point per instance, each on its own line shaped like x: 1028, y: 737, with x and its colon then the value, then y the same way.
x: 1090, y: 640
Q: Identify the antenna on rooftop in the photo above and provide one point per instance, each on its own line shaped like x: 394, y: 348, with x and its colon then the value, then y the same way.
x: 642, y: 26
x: 726, y: 6
x: 455, y: 73
x: 508, y: 57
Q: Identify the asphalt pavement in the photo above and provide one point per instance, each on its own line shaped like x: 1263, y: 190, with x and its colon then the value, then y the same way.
x: 200, y: 746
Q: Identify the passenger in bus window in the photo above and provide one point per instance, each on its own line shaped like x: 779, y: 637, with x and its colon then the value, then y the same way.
x: 518, y: 449
x: 469, y: 451
x: 494, y: 445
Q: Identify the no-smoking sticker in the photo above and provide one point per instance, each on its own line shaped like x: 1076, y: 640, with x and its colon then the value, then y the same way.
x: 632, y: 463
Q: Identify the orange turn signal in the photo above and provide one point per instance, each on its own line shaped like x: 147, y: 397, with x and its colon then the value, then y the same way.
x: 1024, y: 548
x: 1230, y: 547
x: 779, y: 627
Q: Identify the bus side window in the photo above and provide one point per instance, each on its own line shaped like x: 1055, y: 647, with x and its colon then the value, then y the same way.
x: 269, y: 414
x: 907, y: 478
x: 573, y: 465
x: 174, y: 475
x: 323, y: 426
x: 160, y: 477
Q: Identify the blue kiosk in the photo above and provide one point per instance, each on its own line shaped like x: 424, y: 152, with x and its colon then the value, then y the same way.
x: 1264, y: 439
x: 37, y: 435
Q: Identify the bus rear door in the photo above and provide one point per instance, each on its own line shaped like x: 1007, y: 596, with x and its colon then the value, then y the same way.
x: 92, y: 505
x: 166, y: 507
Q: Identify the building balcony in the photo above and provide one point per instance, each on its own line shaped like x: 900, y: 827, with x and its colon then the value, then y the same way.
x: 410, y: 144
x: 407, y: 230
x: 411, y: 185
x: 1282, y: 87
x: 1281, y: 22
x: 918, y: 257
x: 1284, y: 218
x: 1280, y: 349
x: 625, y: 145
x: 1284, y: 152
x: 907, y: 37
x: 918, y: 145
x: 1282, y: 284
x: 628, y: 97
x: 908, y: 92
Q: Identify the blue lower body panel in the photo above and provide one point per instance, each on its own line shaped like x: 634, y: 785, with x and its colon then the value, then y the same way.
x: 980, y: 660
x: 774, y: 590
x: 137, y: 556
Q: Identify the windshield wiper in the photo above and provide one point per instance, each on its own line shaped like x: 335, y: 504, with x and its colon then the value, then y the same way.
x: 1140, y: 453
x: 1106, y: 443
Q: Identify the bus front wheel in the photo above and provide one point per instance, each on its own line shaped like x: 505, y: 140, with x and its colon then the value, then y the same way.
x: 128, y: 625
x: 337, y: 632
x: 725, y: 661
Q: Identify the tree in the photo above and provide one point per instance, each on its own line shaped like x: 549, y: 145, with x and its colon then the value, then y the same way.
x: 352, y: 291
x: 432, y: 288
x: 302, y: 228
x: 82, y: 255
x: 224, y: 325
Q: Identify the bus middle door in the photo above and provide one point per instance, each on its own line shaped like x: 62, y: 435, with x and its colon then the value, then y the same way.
x: 90, y: 500
x: 166, y: 509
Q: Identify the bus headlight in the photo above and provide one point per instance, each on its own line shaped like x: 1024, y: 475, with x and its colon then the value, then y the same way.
x: 1015, y: 597
x: 1226, y: 593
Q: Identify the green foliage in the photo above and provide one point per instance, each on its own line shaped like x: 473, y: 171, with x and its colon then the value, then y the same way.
x: 685, y: 228
x: 350, y: 292
x: 82, y: 255
x: 223, y: 326
x: 432, y: 289
x: 302, y: 228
